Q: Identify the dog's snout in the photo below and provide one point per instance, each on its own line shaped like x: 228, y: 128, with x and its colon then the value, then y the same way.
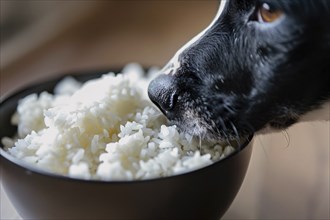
x: 162, y: 91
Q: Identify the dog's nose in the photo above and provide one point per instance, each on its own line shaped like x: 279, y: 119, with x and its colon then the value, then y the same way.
x: 162, y: 91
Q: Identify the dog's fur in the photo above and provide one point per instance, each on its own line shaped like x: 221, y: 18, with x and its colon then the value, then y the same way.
x: 241, y: 75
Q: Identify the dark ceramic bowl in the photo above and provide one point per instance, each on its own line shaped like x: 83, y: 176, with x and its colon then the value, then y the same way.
x: 202, y: 194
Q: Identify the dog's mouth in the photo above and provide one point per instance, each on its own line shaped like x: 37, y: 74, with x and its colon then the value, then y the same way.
x: 197, y: 114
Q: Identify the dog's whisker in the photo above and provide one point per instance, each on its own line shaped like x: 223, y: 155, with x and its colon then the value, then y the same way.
x: 246, y: 139
x: 198, y: 136
x: 287, y: 137
x: 237, y: 138
x: 222, y: 123
x: 249, y: 128
x: 263, y: 147
x: 229, y: 109
x: 200, y: 142
x: 218, y: 132
x: 224, y: 129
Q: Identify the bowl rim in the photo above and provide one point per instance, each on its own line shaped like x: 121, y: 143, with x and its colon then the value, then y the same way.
x: 30, y: 168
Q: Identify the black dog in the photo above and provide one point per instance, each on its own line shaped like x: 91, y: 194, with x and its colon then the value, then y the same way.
x: 260, y: 64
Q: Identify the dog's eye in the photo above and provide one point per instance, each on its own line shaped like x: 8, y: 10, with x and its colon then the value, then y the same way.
x: 268, y: 13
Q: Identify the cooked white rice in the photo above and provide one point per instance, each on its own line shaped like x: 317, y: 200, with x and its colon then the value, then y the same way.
x: 105, y: 129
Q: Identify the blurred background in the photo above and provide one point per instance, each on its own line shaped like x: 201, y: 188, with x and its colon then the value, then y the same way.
x: 288, y: 177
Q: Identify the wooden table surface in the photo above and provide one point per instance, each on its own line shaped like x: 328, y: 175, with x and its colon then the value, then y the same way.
x: 288, y: 177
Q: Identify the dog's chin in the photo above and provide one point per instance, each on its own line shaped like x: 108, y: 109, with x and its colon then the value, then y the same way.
x: 197, y: 130
x: 276, y: 126
x: 282, y: 122
x: 209, y: 132
x: 320, y: 113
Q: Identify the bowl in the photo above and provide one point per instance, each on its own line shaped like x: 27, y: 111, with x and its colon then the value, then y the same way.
x: 36, y: 194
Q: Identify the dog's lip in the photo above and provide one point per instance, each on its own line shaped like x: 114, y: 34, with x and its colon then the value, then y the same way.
x: 169, y: 115
x: 158, y: 106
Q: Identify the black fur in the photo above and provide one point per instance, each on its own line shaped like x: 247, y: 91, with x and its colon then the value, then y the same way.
x: 243, y: 75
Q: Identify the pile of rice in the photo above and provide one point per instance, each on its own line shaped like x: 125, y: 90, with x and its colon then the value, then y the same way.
x: 105, y: 129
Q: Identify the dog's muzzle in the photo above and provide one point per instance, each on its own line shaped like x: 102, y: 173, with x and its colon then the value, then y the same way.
x: 164, y: 93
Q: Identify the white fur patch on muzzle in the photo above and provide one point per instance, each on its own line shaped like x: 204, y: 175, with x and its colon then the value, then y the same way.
x: 174, y: 64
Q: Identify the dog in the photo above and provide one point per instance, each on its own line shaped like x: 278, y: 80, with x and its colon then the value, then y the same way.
x: 260, y: 66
